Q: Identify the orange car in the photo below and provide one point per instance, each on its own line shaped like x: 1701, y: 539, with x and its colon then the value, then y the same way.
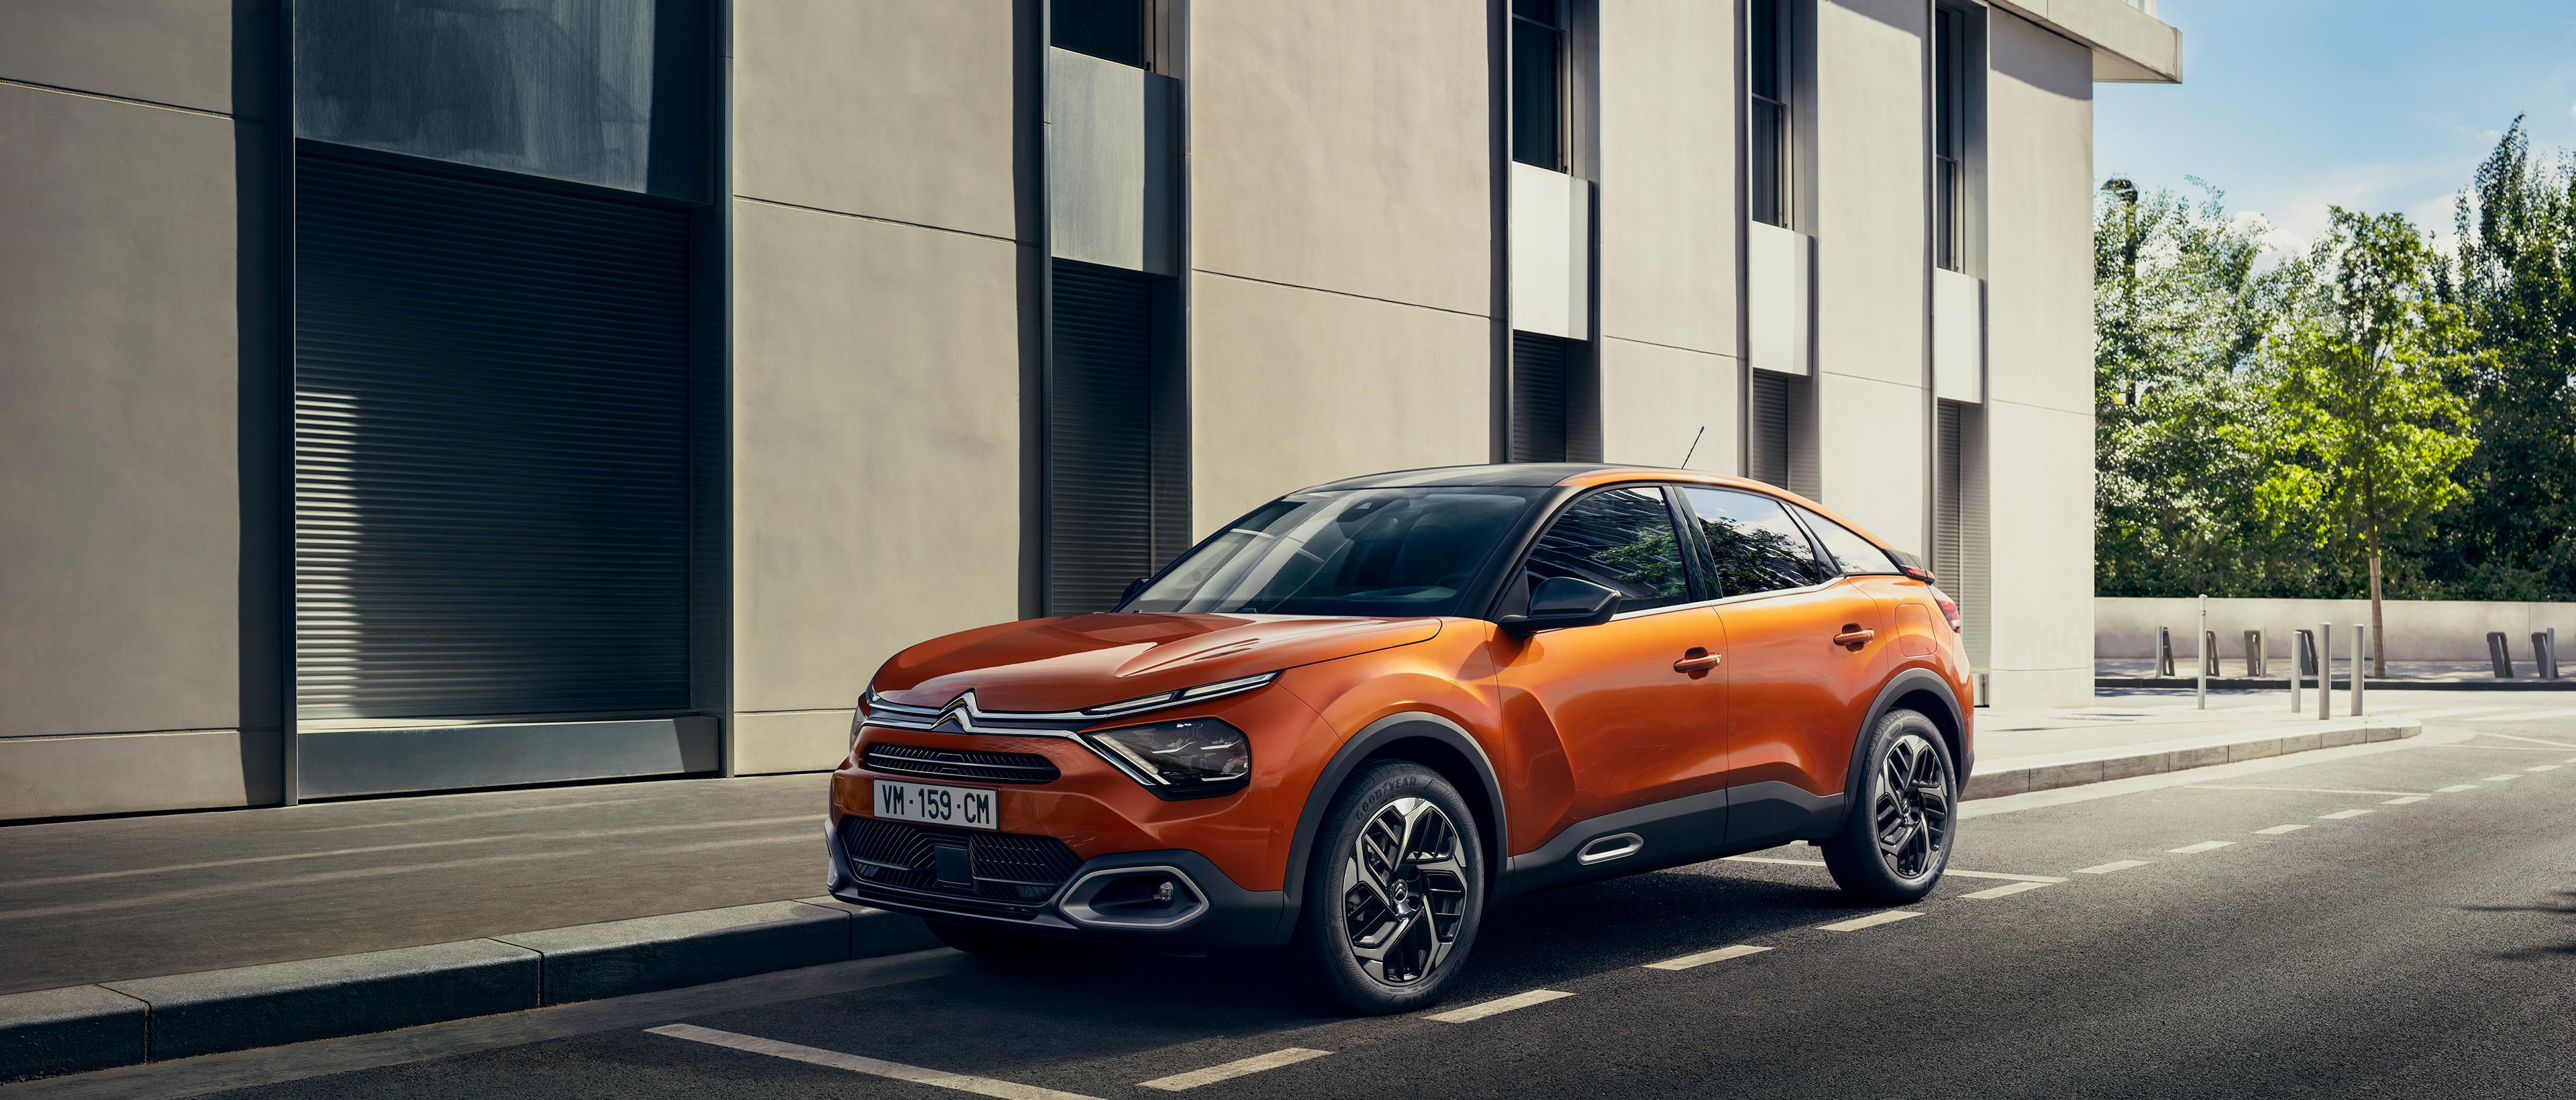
x: 1355, y: 718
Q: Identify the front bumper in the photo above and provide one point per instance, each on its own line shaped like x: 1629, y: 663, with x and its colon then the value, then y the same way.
x: 1227, y: 916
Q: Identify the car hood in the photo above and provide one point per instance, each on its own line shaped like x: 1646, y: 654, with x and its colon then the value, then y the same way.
x: 1077, y: 661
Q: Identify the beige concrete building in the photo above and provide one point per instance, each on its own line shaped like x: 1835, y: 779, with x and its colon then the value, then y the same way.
x: 414, y: 396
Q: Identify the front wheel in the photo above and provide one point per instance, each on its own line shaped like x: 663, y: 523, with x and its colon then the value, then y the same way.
x: 1394, y: 890
x: 1896, y: 840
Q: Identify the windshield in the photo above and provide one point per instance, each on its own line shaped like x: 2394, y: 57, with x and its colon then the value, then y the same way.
x: 1352, y: 552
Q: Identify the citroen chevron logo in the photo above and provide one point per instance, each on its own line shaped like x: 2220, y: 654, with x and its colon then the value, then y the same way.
x: 960, y: 711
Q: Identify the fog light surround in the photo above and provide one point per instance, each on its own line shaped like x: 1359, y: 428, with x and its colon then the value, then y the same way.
x: 1156, y: 898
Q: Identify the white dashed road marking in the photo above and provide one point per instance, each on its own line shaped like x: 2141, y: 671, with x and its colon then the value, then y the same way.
x: 1883, y: 916
x: 2406, y: 801
x: 2006, y: 890
x: 2278, y: 830
x: 1705, y: 957
x: 2456, y: 788
x: 2203, y: 846
x: 2040, y: 879
x: 893, y: 1071
x: 2305, y: 790
x: 2340, y: 815
x: 2529, y: 716
x: 2507, y: 777
x: 2454, y: 712
x: 1776, y: 859
x: 1498, y: 1006
x: 2542, y: 768
x: 1232, y: 1070
x: 2532, y: 740
x: 2114, y: 865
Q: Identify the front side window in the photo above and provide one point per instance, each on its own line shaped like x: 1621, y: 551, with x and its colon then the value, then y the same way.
x: 1751, y: 543
x: 1538, y: 83
x: 1767, y: 126
x: 1852, y: 554
x: 1621, y: 539
x: 1382, y: 552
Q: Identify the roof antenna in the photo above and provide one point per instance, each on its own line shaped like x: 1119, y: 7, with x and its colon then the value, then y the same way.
x: 1694, y: 447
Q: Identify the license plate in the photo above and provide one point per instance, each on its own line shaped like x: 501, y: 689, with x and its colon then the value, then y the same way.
x: 961, y: 807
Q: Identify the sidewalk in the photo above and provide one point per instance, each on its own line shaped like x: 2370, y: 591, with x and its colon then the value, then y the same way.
x: 726, y: 874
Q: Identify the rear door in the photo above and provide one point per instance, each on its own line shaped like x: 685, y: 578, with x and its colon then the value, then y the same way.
x: 1805, y: 649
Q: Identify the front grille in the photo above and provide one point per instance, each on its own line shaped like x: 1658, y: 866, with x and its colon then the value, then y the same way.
x: 1012, y: 873
x: 988, y: 767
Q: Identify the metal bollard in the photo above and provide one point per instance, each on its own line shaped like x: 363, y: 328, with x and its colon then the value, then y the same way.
x: 2255, y: 666
x: 2164, y: 651
x: 2544, y: 653
x: 2299, y: 653
x: 2325, y: 671
x: 2499, y: 655
x: 2360, y: 646
x: 2208, y: 655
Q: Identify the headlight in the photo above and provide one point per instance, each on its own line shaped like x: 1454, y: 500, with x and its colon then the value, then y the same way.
x: 1192, y: 758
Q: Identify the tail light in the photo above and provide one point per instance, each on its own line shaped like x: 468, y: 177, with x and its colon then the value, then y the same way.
x: 1949, y: 608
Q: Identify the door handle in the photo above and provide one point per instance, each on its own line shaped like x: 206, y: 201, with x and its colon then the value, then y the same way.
x: 1854, y: 636
x: 1696, y: 660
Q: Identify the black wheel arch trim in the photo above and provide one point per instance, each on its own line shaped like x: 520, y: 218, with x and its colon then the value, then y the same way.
x: 1391, y: 730
x: 1901, y: 685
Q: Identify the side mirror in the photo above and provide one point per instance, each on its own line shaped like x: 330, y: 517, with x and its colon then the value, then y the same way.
x: 1562, y: 602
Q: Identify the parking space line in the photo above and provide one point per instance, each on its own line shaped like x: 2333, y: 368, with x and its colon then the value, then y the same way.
x: 2203, y: 846
x: 892, y: 1071
x: 2542, y: 768
x: 2040, y: 879
x: 1705, y: 957
x: 2453, y: 712
x: 2531, y: 715
x: 2406, y: 801
x: 2533, y: 740
x: 1873, y: 920
x: 1498, y: 1005
x: 2341, y: 815
x: 2304, y: 790
x: 2507, y: 777
x: 2278, y: 830
x: 2006, y: 890
x: 2114, y: 865
x: 1231, y: 1070
x: 2456, y: 788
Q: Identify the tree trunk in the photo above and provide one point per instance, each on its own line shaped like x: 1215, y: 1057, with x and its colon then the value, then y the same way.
x: 2378, y: 648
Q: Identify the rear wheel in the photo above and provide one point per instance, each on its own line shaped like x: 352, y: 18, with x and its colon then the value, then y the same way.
x: 1897, y: 839
x: 1395, y: 889
x: 992, y: 943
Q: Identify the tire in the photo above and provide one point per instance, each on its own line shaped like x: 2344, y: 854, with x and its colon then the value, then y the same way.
x: 1374, y: 942
x: 1897, y: 838
x: 993, y: 943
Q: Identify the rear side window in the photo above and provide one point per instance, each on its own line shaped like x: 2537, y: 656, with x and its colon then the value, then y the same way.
x: 1852, y: 554
x: 1751, y: 543
x: 1620, y: 539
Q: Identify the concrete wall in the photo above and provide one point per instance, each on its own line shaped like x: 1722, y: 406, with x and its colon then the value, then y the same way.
x: 2039, y: 374
x: 2415, y: 630
x: 1341, y: 244
x: 1668, y: 178
x: 878, y: 297
x: 139, y: 440
x: 1871, y: 264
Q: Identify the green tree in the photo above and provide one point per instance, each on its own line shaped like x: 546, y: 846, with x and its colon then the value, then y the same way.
x: 2362, y: 430
x: 2517, y: 286
x: 2184, y: 304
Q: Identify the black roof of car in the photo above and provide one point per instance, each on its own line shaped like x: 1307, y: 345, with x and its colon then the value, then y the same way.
x: 1533, y: 474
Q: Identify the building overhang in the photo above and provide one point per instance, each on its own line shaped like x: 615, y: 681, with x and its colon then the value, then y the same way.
x: 2129, y: 44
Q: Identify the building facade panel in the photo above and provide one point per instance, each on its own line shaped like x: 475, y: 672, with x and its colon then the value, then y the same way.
x: 2041, y: 538
x: 176, y: 52
x: 1668, y: 174
x: 1343, y: 145
x: 1661, y: 405
x: 1295, y: 387
x: 2040, y: 292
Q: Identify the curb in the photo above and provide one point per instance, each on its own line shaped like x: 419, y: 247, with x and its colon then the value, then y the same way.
x: 88, y: 1027
x: 2278, y: 683
x: 2045, y: 773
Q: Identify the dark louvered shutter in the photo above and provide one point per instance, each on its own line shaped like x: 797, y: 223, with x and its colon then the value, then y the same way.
x: 1960, y: 521
x: 1770, y: 429
x: 491, y: 446
x: 1100, y: 440
x: 1538, y: 398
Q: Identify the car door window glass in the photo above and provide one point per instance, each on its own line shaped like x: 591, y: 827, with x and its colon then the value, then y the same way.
x: 1620, y: 539
x: 1852, y: 555
x: 1751, y: 544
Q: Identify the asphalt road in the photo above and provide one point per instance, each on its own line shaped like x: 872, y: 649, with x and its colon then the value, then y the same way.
x: 2386, y: 919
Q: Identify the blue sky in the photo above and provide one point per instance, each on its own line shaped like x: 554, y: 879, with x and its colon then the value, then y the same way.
x: 2291, y: 105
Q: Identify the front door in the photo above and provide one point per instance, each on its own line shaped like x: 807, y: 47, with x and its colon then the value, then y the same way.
x: 1638, y: 702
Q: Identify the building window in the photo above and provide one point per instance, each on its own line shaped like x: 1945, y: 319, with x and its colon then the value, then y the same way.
x: 1782, y: 450
x: 1951, y: 118
x: 1112, y: 30
x: 1117, y: 444
x: 1767, y: 125
x: 1538, y: 83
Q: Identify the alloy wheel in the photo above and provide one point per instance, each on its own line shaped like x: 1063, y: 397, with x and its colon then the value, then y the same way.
x: 1404, y: 891
x: 1910, y: 807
